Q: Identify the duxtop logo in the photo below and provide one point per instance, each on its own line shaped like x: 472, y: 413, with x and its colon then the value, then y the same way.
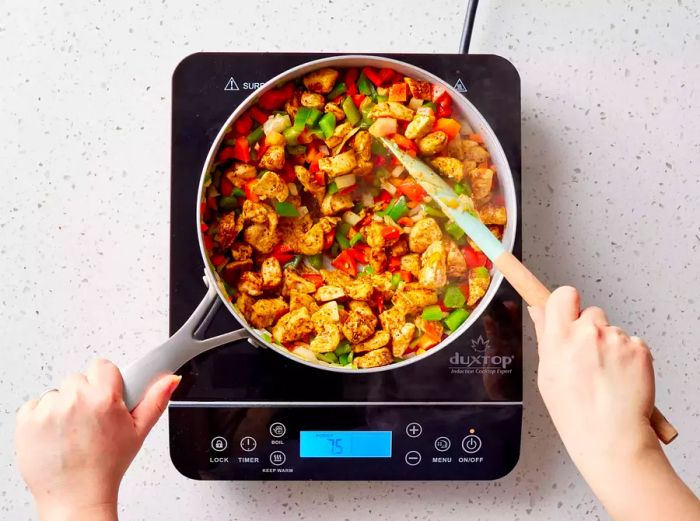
x: 482, y: 362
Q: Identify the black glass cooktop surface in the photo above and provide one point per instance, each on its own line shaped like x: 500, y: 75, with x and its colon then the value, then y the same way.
x: 483, y: 365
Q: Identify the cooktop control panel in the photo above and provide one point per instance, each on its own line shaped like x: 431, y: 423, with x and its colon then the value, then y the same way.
x: 345, y: 442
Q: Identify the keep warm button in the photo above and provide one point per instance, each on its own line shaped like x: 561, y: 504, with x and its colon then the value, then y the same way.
x: 471, y: 444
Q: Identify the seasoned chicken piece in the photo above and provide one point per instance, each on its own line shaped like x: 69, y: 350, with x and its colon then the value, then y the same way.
x: 363, y: 167
x: 400, y: 248
x: 326, y: 314
x: 259, y: 213
x: 376, y: 358
x: 376, y: 258
x: 454, y: 149
x: 473, y: 151
x: 337, y: 202
x: 273, y: 158
x: 359, y: 326
x: 336, y: 278
x: 321, y: 81
x: 327, y: 293
x: 391, y: 109
x: 433, y: 327
x: 420, y: 89
x: 432, y: 143
x: 292, y: 281
x: 271, y: 186
x: 449, y: 167
x: 266, y: 311
x: 424, y: 232
x: 250, y: 283
x: 392, y: 319
x: 411, y: 263
x: 401, y: 339
x: 373, y: 234
x: 456, y: 264
x: 312, y: 100
x: 338, y: 165
x: 291, y: 229
x: 360, y: 289
x: 241, y: 251
x: 233, y: 268
x: 433, y: 272
x: 481, y: 180
x: 241, y: 173
x: 479, y: 280
x: 327, y: 339
x: 302, y: 300
x: 275, y: 139
x: 293, y: 326
x: 413, y: 297
x: 421, y: 124
x: 379, y: 339
x: 382, y: 282
x: 334, y: 109
x: 229, y: 228
x: 491, y: 214
x: 309, y: 183
x: 261, y: 237
x: 292, y: 106
x: 358, y: 305
x: 244, y: 304
x: 271, y: 272
x: 312, y: 241
x: 362, y: 145
x: 339, y: 134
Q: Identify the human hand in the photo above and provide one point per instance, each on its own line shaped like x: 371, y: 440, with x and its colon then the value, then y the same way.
x: 74, y: 445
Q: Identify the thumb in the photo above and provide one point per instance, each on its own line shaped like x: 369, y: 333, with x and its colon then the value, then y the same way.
x: 154, y: 403
x: 537, y: 316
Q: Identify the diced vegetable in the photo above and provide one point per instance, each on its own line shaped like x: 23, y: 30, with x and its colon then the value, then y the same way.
x: 449, y: 126
x: 432, y: 313
x: 378, y: 148
x: 227, y: 203
x: 294, y: 263
x: 463, y: 188
x: 412, y: 190
x: 397, y: 209
x: 291, y: 134
x: 395, y: 279
x: 356, y: 238
x: 277, y: 123
x: 301, y: 117
x: 363, y: 85
x: 344, y: 262
x: 327, y: 124
x: 316, y: 261
x: 454, y: 298
x: 274, y: 99
x: 454, y: 230
x: 343, y: 349
x: 331, y: 358
x: 314, y: 115
x: 351, y: 112
x: 286, y: 209
x: 243, y: 124
x: 351, y: 217
x: 456, y: 319
x: 341, y: 235
x: 432, y: 211
x: 383, y: 127
x: 296, y: 150
x: 339, y: 89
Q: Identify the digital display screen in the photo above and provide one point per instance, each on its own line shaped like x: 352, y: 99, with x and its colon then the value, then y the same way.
x: 345, y: 444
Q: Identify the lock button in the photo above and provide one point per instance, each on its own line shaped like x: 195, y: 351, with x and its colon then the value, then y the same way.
x: 219, y: 443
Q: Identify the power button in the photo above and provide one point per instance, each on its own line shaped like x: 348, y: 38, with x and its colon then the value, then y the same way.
x: 471, y: 444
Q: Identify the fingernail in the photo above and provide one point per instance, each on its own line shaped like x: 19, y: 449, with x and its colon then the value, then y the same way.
x: 174, y: 382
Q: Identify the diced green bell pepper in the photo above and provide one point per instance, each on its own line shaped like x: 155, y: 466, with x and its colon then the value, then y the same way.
x: 238, y: 192
x: 314, y: 116
x: 291, y: 134
x: 368, y: 270
x: 316, y: 261
x: 397, y: 208
x: 430, y: 105
x: 327, y: 124
x: 363, y: 85
x: 456, y: 319
x: 327, y: 357
x: 286, y: 209
x: 332, y: 188
x: 296, y: 150
x: 343, y: 349
x: 340, y: 88
x: 341, y: 233
x: 356, y: 238
x: 256, y: 135
x: 454, y: 230
x: 294, y: 263
x: 432, y: 211
x: 382, y: 98
x: 395, y: 280
x: 463, y: 189
x: 378, y: 148
x: 301, y: 117
x: 227, y: 203
x: 354, y: 116
x: 433, y: 313
x: 454, y: 298
x: 480, y: 272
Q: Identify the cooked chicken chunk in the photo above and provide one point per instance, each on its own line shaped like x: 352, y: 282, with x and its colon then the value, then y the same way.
x: 379, y: 339
x: 302, y: 300
x: 413, y: 297
x: 359, y: 326
x: 432, y: 143
x: 363, y: 167
x: 241, y: 173
x: 273, y: 158
x: 261, y: 237
x: 433, y: 272
x: 327, y: 313
x: 340, y: 133
x: 326, y: 340
x: 358, y: 305
x: 241, y: 251
x: 271, y: 272
x: 481, y: 180
x: 421, y: 124
x: 259, y: 213
x: 313, y: 100
x: 338, y: 165
x: 393, y: 319
x: 401, y: 339
x: 491, y: 214
x: 376, y: 358
x: 456, y: 264
x: 292, y: 281
x: 411, y: 264
x: 450, y: 167
x: 474, y: 152
x: 420, y: 89
x: 265, y: 312
x: 374, y: 235
x: 229, y: 228
x: 336, y: 278
x: 376, y: 258
x: 479, y: 280
x: 337, y: 202
x: 381, y: 282
x: 309, y: 183
x: 275, y: 139
x: 327, y: 293
x: 400, y: 248
x: 244, y: 304
x: 271, y: 186
x: 312, y: 241
x: 391, y: 109
x: 362, y: 145
x: 360, y: 289
x: 233, y: 268
x: 321, y: 81
x: 424, y: 232
x: 334, y: 109
x: 250, y: 283
x: 293, y: 326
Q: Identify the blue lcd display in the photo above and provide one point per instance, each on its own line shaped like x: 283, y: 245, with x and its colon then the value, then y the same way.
x: 345, y: 444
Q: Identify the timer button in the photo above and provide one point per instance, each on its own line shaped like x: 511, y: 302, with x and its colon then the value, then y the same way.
x: 414, y: 429
x: 248, y: 443
x: 471, y: 444
x: 413, y: 458
x: 277, y: 430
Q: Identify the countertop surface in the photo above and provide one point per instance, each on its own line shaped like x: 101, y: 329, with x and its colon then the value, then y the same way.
x: 610, y: 121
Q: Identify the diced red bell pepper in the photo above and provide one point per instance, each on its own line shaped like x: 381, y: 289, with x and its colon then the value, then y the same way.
x: 226, y: 154
x: 383, y: 196
x: 208, y: 242
x: 449, y: 126
x: 288, y: 173
x: 425, y: 342
x: 432, y: 329
x: 211, y: 203
x: 351, y: 76
x: 412, y: 190
x: 394, y: 264
x: 378, y: 300
x: 379, y: 160
x: 387, y: 74
x: 444, y: 106
x: 257, y: 114
x: 405, y: 221
x: 248, y: 189
x: 344, y: 262
x: 243, y: 125
x: 241, y: 150
x: 474, y: 259
x: 403, y: 142
x: 313, y: 167
x: 282, y: 253
x: 348, y: 190
x: 373, y: 76
x: 438, y: 92
x: 217, y: 259
x: 398, y: 92
x: 328, y: 239
x: 319, y: 176
x: 357, y: 99
x: 390, y: 233
x: 316, y: 278
x: 359, y: 253
x: 406, y: 276
x: 226, y: 186
x: 203, y: 227
x: 276, y: 98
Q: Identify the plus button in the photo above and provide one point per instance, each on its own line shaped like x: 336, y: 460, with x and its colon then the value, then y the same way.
x: 414, y: 430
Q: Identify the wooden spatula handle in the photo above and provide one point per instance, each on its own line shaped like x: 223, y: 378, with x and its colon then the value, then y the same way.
x: 535, y: 293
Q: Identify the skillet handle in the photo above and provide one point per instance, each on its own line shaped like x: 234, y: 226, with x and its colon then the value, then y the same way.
x: 174, y: 352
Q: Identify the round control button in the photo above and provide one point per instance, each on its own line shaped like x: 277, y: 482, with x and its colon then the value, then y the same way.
x: 219, y: 443
x: 278, y: 458
x: 443, y: 443
x: 471, y: 444
x: 414, y: 429
x: 248, y: 444
x: 413, y: 458
x: 277, y: 430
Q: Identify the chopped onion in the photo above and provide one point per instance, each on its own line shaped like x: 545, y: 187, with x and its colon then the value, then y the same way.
x: 305, y: 353
x: 415, y: 103
x: 277, y: 123
x: 351, y: 218
x: 344, y: 181
x: 367, y: 199
x: 377, y: 218
x: 292, y: 189
x: 324, y: 149
x: 383, y: 127
x: 413, y: 212
x: 389, y: 188
x: 397, y: 171
x: 303, y: 210
x: 389, y: 221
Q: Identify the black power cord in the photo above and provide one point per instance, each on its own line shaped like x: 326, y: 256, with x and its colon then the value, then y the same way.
x: 468, y: 26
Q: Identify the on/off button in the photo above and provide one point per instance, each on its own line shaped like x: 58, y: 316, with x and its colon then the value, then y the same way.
x: 471, y: 444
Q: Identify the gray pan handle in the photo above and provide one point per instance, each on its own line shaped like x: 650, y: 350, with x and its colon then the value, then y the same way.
x: 177, y: 350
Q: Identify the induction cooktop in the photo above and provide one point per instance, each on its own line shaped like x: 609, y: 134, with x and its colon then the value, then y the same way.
x: 243, y: 412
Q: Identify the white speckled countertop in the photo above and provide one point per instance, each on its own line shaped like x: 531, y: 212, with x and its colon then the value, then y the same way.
x: 611, y: 119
